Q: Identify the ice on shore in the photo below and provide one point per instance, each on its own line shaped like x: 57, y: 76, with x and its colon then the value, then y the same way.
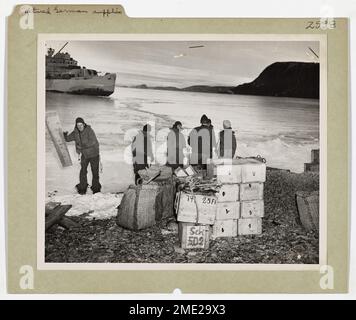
x: 98, y: 206
x: 282, y: 130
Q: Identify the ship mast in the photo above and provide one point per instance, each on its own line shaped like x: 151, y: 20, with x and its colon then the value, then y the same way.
x: 54, y: 55
x: 62, y: 48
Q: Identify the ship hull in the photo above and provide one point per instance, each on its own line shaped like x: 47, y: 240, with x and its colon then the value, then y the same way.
x: 96, y: 85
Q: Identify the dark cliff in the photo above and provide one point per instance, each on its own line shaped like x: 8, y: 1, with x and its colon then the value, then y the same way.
x: 285, y: 79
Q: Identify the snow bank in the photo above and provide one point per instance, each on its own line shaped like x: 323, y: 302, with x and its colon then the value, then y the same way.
x: 98, y: 206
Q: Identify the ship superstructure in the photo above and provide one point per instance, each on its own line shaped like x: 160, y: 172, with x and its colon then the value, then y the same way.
x: 63, y: 74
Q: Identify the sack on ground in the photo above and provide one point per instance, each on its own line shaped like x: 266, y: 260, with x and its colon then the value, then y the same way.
x: 143, y: 205
x: 139, y: 206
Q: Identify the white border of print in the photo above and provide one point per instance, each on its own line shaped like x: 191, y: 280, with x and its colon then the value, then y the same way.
x: 41, y: 51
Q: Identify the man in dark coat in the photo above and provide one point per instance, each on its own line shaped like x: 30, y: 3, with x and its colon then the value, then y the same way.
x: 227, y: 141
x: 87, y: 146
x: 175, y: 145
x: 142, y: 149
x: 202, y: 141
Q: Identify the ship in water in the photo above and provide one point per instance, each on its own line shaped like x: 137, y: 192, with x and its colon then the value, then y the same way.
x: 63, y: 74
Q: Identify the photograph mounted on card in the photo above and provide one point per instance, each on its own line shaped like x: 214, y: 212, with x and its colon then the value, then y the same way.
x: 161, y: 149
x: 171, y: 156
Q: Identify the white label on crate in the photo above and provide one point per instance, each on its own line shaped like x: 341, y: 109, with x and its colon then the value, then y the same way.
x: 253, y: 173
x: 197, y: 208
x: 196, y: 236
x: 228, y: 173
x: 228, y: 193
x: 251, y: 191
x: 249, y: 226
x: 225, y: 228
x: 252, y: 209
x: 190, y: 171
x: 228, y: 211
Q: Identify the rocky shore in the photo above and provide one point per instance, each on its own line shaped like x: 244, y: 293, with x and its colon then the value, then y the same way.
x: 283, y: 240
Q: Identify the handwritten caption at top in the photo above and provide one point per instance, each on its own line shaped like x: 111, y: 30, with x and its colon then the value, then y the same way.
x: 57, y: 10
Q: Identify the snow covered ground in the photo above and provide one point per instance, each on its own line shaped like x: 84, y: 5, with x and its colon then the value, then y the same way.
x: 92, y: 206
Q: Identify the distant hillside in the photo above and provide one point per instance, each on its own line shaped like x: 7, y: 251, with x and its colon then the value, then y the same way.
x: 280, y: 79
x: 210, y: 89
x: 196, y: 88
x: 285, y: 79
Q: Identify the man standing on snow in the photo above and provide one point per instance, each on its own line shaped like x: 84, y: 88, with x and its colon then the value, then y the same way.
x: 87, y: 146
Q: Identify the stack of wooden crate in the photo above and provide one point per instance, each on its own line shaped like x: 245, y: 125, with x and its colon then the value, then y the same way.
x: 240, y: 206
x: 196, y: 214
x: 236, y: 209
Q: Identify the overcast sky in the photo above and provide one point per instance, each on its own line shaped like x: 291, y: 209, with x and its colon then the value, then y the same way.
x: 173, y: 63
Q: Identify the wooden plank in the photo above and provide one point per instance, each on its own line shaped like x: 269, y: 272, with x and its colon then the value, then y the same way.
x: 56, y: 133
x: 67, y: 223
x: 50, y: 206
x: 57, y: 215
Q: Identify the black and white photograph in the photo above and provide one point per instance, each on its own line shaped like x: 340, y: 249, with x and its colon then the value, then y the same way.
x: 190, y: 151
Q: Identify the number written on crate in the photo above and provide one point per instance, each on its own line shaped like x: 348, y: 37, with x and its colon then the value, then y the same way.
x: 204, y: 200
x: 195, y: 241
x: 190, y: 198
x: 208, y: 200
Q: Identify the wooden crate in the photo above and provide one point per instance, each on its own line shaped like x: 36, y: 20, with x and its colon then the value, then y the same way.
x: 225, y: 228
x: 253, y: 171
x: 236, y: 170
x: 252, y: 209
x: 308, y: 209
x: 249, y: 226
x: 193, y: 236
x: 315, y: 156
x: 228, y: 211
x: 225, y: 170
x: 228, y: 193
x: 251, y: 191
x: 314, y: 167
x: 228, y: 173
x: 197, y: 208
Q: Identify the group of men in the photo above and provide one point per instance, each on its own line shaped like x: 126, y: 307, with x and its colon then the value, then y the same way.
x: 201, y: 139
